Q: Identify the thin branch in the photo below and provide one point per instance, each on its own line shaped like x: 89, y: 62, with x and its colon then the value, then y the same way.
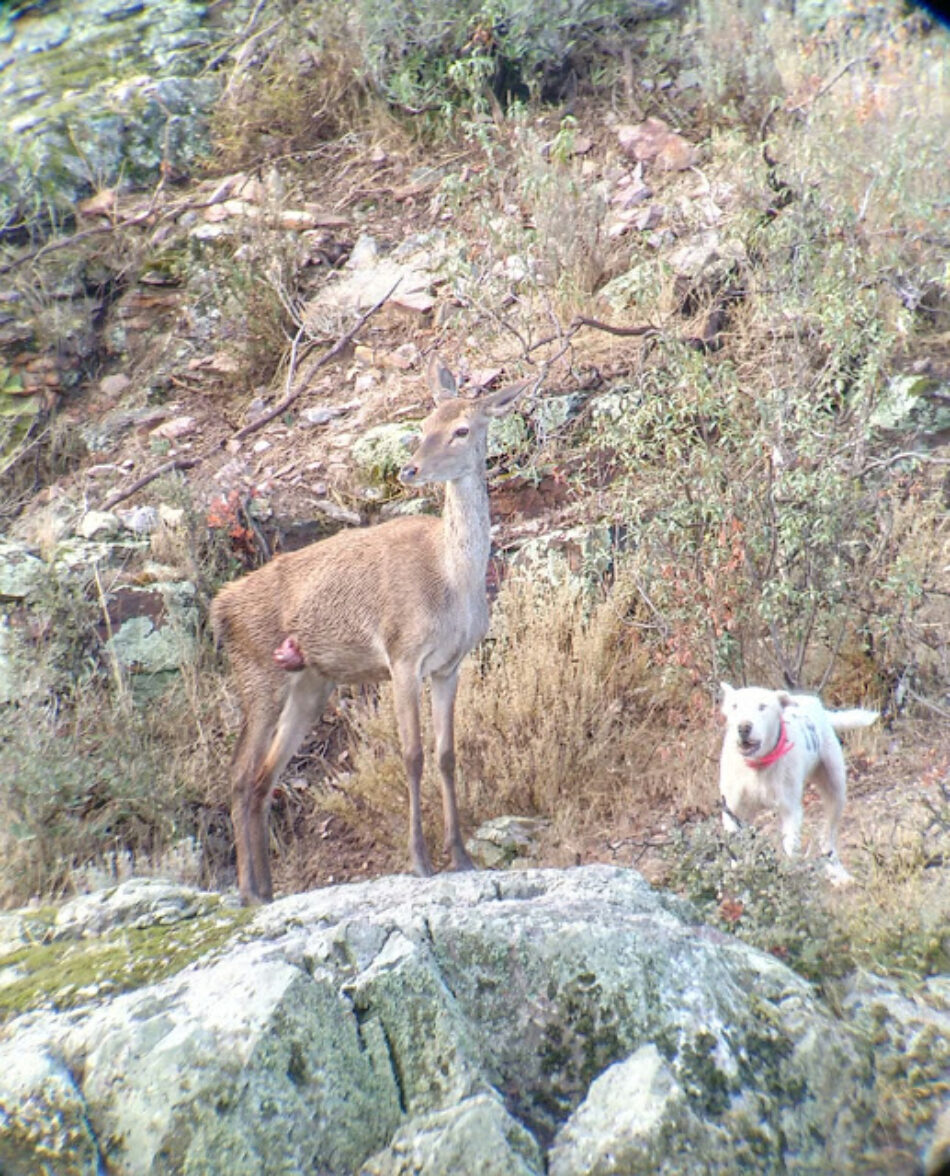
x: 177, y: 463
x: 826, y: 86
x: 626, y: 332
x: 884, y: 462
x: 324, y: 359
x: 938, y: 710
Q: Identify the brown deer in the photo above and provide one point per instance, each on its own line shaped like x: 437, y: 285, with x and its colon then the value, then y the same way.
x: 404, y: 600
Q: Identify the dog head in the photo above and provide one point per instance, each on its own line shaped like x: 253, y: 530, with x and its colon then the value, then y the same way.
x: 754, y: 717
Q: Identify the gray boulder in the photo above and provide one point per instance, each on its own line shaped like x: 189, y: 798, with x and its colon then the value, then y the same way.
x: 464, y: 1024
x: 97, y: 89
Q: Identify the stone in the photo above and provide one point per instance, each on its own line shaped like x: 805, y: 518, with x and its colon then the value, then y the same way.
x: 140, y: 902
x: 476, y: 1137
x: 98, y: 524
x: 456, y: 1024
x: 913, y: 405
x: 113, y: 386
x: 911, y: 1035
x: 171, y: 516
x: 634, y: 1120
x: 140, y: 520
x: 321, y: 415
x: 21, y: 572
x: 42, y: 1114
x: 176, y: 428
x: 652, y: 141
x: 569, y: 554
x: 159, y: 631
x: 707, y: 257
x: 937, y: 1159
x: 383, y: 450
x: 499, y: 842
x: 97, y: 90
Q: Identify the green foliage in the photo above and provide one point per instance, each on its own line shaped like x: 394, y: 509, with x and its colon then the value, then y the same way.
x: 451, y: 56
x: 752, y: 481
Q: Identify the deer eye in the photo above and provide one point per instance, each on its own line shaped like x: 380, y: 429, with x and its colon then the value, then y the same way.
x: 461, y: 431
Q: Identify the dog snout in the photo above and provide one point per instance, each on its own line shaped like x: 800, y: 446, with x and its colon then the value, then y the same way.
x: 745, y: 730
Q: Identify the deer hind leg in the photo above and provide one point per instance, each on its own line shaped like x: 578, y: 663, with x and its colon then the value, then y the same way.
x: 407, y: 687
x: 258, y: 722
x: 306, y: 696
x: 443, y: 719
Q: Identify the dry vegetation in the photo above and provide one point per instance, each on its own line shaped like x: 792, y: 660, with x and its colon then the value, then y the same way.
x: 767, y: 527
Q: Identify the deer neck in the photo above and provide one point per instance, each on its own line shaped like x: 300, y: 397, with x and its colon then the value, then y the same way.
x: 466, y: 526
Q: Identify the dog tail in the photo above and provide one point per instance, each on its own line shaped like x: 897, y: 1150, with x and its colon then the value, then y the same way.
x: 851, y: 720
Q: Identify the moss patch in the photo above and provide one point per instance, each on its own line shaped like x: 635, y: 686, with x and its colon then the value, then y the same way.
x: 71, y: 973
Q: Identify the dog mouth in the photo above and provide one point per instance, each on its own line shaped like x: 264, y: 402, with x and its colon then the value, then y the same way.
x: 749, y: 746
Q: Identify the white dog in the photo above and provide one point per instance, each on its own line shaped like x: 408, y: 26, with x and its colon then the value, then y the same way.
x: 774, y: 743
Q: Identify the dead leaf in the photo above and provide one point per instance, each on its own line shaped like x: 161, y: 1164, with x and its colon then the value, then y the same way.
x: 102, y: 204
x: 177, y: 427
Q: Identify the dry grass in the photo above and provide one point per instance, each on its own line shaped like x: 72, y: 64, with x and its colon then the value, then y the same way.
x: 299, y: 90
x: 556, y: 717
x: 99, y: 784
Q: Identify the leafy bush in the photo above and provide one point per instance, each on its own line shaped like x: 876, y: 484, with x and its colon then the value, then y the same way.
x: 452, y: 55
x: 893, y: 921
x: 298, y: 91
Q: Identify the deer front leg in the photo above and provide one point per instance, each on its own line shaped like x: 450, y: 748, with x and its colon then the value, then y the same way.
x: 443, y: 719
x: 407, y: 686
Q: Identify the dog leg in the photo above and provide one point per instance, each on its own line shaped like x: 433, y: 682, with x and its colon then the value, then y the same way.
x: 730, y: 822
x: 790, y: 819
x: 831, y: 781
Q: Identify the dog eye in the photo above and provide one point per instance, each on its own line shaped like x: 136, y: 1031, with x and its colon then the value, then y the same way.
x: 761, y: 706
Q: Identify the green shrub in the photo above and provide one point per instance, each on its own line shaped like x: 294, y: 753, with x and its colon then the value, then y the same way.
x: 894, y: 920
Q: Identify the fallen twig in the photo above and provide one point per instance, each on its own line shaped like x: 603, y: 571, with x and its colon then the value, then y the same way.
x: 177, y: 463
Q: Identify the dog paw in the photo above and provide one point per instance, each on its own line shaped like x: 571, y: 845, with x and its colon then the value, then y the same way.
x: 837, y: 874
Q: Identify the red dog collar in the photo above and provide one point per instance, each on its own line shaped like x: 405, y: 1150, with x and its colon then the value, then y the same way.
x: 781, y: 748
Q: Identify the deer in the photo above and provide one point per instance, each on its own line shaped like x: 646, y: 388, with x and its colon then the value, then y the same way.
x: 404, y: 599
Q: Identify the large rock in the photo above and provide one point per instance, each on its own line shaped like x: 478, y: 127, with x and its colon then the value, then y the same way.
x: 911, y: 1035
x: 95, y: 90
x: 151, y: 630
x: 460, y: 1024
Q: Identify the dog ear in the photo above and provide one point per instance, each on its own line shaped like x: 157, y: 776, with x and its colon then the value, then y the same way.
x: 727, y: 691
x: 784, y: 698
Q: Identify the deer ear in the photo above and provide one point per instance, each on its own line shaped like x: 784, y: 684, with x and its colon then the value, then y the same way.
x: 442, y: 383
x: 497, y: 404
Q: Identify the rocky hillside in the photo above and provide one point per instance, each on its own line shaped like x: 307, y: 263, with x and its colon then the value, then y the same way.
x: 715, y: 240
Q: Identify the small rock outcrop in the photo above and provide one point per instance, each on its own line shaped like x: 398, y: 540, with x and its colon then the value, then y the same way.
x: 569, y: 1021
x: 91, y: 90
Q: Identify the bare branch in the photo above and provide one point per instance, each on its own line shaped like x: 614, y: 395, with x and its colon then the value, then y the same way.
x: 177, y: 463
x: 324, y: 359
